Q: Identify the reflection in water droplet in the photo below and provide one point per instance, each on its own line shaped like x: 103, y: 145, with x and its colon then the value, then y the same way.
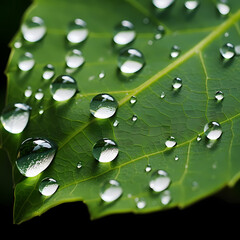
x: 177, y: 83
x: 48, y: 72
x: 15, y: 117
x: 219, y: 96
x: 140, y: 203
x: 105, y: 150
x: 227, y: 51
x: 63, y: 88
x: 48, y: 186
x: 191, y: 5
x: 162, y: 4
x: 213, y: 130
x: 34, y: 156
x: 77, y: 31
x: 159, y: 181
x: 124, y: 33
x: 33, y: 29
x: 103, y: 106
x: 165, y: 197
x: 222, y: 7
x: 110, y: 191
x: 130, y: 61
x: 39, y: 94
x: 28, y: 92
x: 26, y: 61
x: 74, y: 58
x: 175, y: 51
x: 170, y: 142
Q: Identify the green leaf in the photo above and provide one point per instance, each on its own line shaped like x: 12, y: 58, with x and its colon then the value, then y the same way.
x: 200, y: 169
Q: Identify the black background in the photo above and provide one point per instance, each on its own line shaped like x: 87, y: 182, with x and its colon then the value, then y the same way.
x: 209, y: 217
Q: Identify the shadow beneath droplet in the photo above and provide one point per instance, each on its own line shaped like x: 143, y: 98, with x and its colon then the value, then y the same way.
x: 226, y: 62
x: 127, y: 77
x: 211, y: 144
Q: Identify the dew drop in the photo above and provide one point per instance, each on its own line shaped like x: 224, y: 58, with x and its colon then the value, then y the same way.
x: 77, y: 31
x: 165, y: 197
x: 28, y: 92
x: 227, y: 51
x: 110, y: 191
x: 101, y: 75
x: 41, y: 110
x: 105, y: 150
x: 133, y: 100
x: 33, y: 29
x: 162, y: 95
x: 26, y: 61
x: 74, y: 58
x: 148, y: 168
x: 140, y: 203
x: 124, y: 33
x: 170, y: 142
x: 237, y: 50
x: 176, y: 158
x: 213, y: 130
x: 103, y: 106
x: 15, y: 117
x: 162, y: 4
x: 175, y: 51
x: 177, y: 83
x: 48, y: 186
x: 160, y: 32
x: 223, y: 7
x: 191, y: 5
x: 219, y: 96
x: 130, y: 61
x: 48, y: 72
x: 116, y: 123
x: 199, y: 138
x: 134, y: 118
x: 63, y: 88
x: 18, y: 44
x: 159, y: 181
x: 79, y: 165
x: 39, y: 94
x: 35, y: 155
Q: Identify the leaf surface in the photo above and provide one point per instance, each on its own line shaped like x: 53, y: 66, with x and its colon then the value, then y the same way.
x: 199, y: 171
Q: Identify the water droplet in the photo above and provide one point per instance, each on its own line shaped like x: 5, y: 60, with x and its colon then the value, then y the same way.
x: 63, y: 88
x: 177, y: 83
x: 160, y: 32
x: 213, y: 130
x: 227, y: 51
x: 77, y: 31
x: 130, y: 61
x: 148, y: 168
x: 124, y: 33
x: 39, y: 94
x: 199, y: 138
x: 223, y: 7
x: 103, y: 106
x: 171, y: 142
x: 165, y: 197
x: 48, y: 186
x: 101, y: 75
x: 41, y: 110
x: 162, y: 4
x: 115, y: 123
x: 191, y: 5
x: 159, y: 181
x: 35, y: 155
x: 175, y: 51
x: 195, y: 185
x: 219, y: 96
x: 237, y: 50
x: 105, y: 150
x: 15, y: 117
x: 162, y: 95
x: 18, y: 44
x: 133, y: 100
x: 28, y: 92
x: 26, y: 61
x: 176, y: 158
x: 48, y: 72
x: 140, y: 203
x: 33, y: 29
x: 74, y: 58
x: 134, y: 118
x: 110, y: 191
x: 79, y: 165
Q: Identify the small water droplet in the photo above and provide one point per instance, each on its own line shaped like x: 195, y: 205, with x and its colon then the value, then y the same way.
x: 110, y: 191
x: 18, y: 44
x: 33, y: 29
x: 103, y: 106
x: 162, y: 4
x: 219, y: 96
x: 177, y: 83
x: 159, y: 181
x: 191, y: 5
x: 48, y: 72
x: 237, y: 50
x: 28, y: 92
x: 176, y: 158
x: 150, y: 42
x: 140, y: 203
x: 74, y: 59
x: 39, y: 94
x: 175, y: 51
x: 130, y: 61
x: 35, y: 155
x: 124, y: 33
x: 41, y: 110
x: 134, y: 118
x: 105, y: 150
x: 148, y: 168
x: 79, y: 165
x: 146, y: 20
x: 77, y: 31
x: 133, y: 100
x: 162, y: 95
x: 115, y: 123
x: 165, y: 197
x: 160, y: 32
x: 63, y: 88
x: 48, y: 186
x: 213, y: 130
x: 15, y: 117
x: 227, y: 51
x: 26, y: 61
x: 223, y: 7
x: 170, y: 142
x: 195, y: 185
x: 226, y: 34
x: 101, y: 75
x: 199, y: 138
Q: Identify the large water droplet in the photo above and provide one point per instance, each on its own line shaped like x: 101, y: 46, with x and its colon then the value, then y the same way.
x: 105, y: 150
x: 77, y: 31
x: 35, y: 155
x: 48, y: 186
x: 227, y: 51
x: 33, y: 29
x: 124, y: 33
x: 63, y: 88
x: 103, y: 106
x: 74, y: 58
x: 213, y: 130
x: 177, y: 83
x: 159, y: 181
x: 191, y: 5
x: 130, y: 61
x: 48, y: 72
x: 15, y: 117
x: 26, y: 61
x: 223, y: 7
x: 171, y: 142
x: 162, y: 4
x: 175, y: 51
x: 219, y: 96
x: 110, y: 191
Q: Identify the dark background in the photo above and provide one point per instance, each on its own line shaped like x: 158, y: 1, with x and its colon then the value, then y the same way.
x: 215, y: 215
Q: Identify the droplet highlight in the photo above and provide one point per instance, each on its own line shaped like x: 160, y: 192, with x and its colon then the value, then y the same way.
x: 48, y: 72
x: 175, y: 51
x: 110, y: 191
x: 48, y: 186
x: 177, y: 83
x: 26, y: 61
x: 219, y: 96
x: 162, y: 4
x: 170, y: 142
x: 159, y: 181
x: 213, y: 130
x: 227, y: 51
x: 74, y: 59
